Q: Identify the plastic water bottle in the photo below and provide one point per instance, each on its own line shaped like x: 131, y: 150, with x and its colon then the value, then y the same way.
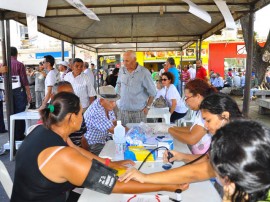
x: 119, y: 140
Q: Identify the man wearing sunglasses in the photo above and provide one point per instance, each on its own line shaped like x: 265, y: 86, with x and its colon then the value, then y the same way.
x: 52, y: 77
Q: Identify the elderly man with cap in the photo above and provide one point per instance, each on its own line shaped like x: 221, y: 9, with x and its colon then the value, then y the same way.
x: 63, y: 67
x: 100, y: 119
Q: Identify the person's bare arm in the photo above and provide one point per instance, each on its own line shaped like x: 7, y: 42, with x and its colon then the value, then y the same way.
x: 179, y: 156
x: 185, y: 174
x: 176, y: 130
x: 89, y: 155
x: 149, y: 103
x: 91, y: 99
x: 137, y: 187
x: 150, y: 100
x: 43, y: 73
x: 47, y: 97
x: 190, y: 137
x: 3, y: 69
x: 84, y: 143
x: 173, y: 105
x: 27, y: 90
x: 60, y: 169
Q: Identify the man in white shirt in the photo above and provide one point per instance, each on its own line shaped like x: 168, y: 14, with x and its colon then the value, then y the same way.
x: 88, y: 72
x: 51, y: 78
x: 218, y: 81
x: 237, y: 80
x: 192, y: 72
x: 81, y: 83
x: 163, y: 69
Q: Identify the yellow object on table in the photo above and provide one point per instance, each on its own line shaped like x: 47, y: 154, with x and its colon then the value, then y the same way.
x: 121, y: 171
x: 140, y: 153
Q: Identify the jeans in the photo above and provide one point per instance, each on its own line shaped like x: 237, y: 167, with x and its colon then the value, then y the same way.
x: 2, y: 124
x: 19, y: 104
x: 39, y: 98
x: 252, y: 91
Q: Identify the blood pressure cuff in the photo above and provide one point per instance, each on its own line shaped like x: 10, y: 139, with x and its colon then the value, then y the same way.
x: 100, y: 178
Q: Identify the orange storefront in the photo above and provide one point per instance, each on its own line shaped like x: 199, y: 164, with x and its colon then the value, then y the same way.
x: 227, y: 55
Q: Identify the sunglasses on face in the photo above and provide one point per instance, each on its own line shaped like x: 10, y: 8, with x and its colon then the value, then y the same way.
x: 164, y: 79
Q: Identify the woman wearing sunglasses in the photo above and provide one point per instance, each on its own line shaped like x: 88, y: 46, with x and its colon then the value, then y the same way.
x: 177, y: 107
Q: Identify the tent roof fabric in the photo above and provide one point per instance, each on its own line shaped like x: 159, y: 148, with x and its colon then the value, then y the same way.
x: 134, y: 24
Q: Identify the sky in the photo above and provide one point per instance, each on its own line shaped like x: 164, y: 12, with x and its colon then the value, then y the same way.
x: 262, y: 24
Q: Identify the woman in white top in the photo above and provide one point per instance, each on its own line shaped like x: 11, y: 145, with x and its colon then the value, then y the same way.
x: 177, y: 107
x: 196, y: 135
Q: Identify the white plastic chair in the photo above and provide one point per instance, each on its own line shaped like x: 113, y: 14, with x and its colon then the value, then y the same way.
x: 189, y: 118
x: 5, y: 179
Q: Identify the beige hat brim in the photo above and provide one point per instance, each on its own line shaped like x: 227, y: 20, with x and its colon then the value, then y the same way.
x: 110, y: 99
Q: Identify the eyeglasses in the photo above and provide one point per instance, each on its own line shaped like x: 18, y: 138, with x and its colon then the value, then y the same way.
x: 186, y: 98
x: 164, y: 79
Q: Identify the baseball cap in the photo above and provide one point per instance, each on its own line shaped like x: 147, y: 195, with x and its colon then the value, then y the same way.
x: 108, y: 93
x: 64, y: 63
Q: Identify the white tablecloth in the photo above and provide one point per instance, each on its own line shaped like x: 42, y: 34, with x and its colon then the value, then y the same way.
x: 197, y: 192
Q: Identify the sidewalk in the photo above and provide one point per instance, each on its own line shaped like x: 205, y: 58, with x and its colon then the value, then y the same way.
x: 253, y: 114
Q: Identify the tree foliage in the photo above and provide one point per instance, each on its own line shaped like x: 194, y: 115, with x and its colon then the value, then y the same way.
x: 259, y: 64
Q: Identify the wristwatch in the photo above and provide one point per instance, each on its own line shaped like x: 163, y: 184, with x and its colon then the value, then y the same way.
x: 148, y: 107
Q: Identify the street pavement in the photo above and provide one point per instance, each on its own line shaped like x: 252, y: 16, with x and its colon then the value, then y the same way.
x: 253, y: 114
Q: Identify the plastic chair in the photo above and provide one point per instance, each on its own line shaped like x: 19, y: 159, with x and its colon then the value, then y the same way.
x: 5, y: 179
x: 189, y: 118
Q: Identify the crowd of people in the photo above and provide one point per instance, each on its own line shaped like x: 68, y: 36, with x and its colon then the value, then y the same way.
x: 76, y: 121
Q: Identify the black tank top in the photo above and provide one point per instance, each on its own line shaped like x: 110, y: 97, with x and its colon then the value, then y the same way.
x: 29, y: 183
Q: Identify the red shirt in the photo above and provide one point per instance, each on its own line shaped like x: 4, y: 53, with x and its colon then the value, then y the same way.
x: 201, y: 73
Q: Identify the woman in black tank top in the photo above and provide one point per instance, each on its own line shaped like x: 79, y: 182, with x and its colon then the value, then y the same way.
x: 48, y: 164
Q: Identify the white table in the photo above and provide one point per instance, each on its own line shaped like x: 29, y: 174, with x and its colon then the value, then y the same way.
x: 156, y: 113
x: 201, y: 191
x: 27, y: 116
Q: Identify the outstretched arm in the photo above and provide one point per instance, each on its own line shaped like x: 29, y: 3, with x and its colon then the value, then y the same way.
x: 137, y: 187
x: 89, y: 155
x: 188, y: 137
x: 185, y: 174
x: 179, y: 156
x: 79, y: 172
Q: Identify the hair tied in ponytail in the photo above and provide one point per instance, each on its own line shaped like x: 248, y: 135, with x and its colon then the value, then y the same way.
x: 51, y: 107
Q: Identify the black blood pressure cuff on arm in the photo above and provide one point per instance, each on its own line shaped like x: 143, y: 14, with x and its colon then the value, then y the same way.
x: 100, y: 178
